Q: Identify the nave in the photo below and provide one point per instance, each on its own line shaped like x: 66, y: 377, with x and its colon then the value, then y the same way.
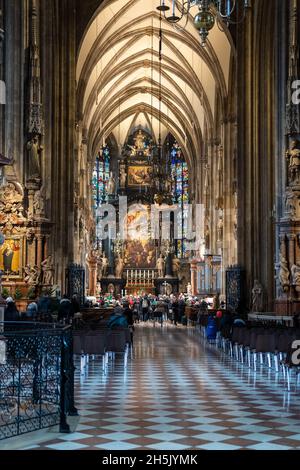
x: 179, y: 392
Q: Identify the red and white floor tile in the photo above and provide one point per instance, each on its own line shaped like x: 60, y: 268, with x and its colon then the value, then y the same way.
x: 179, y: 393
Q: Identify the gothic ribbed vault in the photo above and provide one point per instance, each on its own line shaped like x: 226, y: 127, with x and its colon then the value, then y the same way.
x: 119, y: 77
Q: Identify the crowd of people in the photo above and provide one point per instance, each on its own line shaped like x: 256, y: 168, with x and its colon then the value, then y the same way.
x: 148, y: 307
x: 125, y: 311
x: 137, y: 308
x: 41, y: 308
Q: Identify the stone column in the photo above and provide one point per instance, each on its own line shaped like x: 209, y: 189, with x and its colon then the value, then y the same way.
x: 298, y: 249
x: 92, y: 276
x: 39, y: 250
x: 282, y: 239
x: 194, y: 277
x: 291, y: 238
x: 46, y: 242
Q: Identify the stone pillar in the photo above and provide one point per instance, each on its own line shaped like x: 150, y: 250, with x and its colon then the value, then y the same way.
x: 298, y: 249
x: 92, y: 277
x: 46, y: 242
x: 194, y: 277
x: 283, y: 246
x: 31, y: 245
x: 291, y: 239
x: 39, y: 250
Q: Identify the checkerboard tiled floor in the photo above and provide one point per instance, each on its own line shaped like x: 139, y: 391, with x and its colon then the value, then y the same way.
x: 179, y: 393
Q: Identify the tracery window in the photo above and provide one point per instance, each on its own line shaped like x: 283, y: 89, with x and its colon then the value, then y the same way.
x: 100, y: 177
x: 180, y: 189
x: 99, y: 184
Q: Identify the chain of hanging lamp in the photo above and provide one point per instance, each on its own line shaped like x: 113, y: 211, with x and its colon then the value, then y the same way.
x: 210, y: 11
x: 162, y: 190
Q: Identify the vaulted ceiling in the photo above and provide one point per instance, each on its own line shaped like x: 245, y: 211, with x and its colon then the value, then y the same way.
x: 122, y: 83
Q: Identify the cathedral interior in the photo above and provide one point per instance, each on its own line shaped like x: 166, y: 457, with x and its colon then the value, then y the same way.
x: 151, y: 149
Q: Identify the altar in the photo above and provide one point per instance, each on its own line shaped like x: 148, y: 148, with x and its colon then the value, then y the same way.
x: 143, y: 261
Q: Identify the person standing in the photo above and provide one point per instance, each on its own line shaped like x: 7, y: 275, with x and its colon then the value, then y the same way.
x: 11, y: 313
x: 145, y: 308
x: 65, y: 311
x: 175, y: 308
x: 181, y: 309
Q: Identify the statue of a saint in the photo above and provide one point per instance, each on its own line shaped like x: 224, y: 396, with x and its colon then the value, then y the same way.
x: 293, y: 156
x: 48, y: 271
x: 38, y: 204
x: 123, y: 176
x: 139, y: 141
x: 220, y: 227
x: 257, y: 297
x: 189, y: 289
x: 34, y: 151
x: 104, y: 265
x: 175, y: 266
x: 284, y: 274
x: 32, y: 275
x: 295, y: 272
x: 160, y: 265
x: 207, y: 237
x: 119, y: 268
x: 111, y: 184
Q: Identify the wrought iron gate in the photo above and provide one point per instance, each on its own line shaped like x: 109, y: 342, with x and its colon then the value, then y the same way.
x: 36, y: 378
x: 75, y: 282
x: 235, y: 288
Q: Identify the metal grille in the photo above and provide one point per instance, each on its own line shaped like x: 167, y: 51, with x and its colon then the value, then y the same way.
x: 235, y: 288
x: 36, y: 378
x: 75, y: 282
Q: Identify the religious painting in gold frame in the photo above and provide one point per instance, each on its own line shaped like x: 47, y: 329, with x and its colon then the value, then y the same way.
x: 11, y: 257
x: 140, y: 175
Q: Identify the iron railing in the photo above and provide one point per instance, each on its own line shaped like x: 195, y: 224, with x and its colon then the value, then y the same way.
x: 36, y: 377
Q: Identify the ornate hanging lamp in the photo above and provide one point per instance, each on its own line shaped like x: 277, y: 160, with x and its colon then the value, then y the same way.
x: 209, y: 12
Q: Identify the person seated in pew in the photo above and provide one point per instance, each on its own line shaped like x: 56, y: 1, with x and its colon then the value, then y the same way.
x: 117, y: 318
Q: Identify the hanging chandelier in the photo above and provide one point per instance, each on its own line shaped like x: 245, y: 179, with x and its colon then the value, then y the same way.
x: 210, y: 12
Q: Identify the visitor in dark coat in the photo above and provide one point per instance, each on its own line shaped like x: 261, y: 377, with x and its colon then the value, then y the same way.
x: 65, y: 311
x: 11, y: 312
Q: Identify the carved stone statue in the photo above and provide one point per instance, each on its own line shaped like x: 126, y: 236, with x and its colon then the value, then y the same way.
x: 175, y: 266
x: 81, y: 228
x: 30, y: 235
x: 160, y: 265
x: 207, y: 236
x: 32, y: 275
x: 284, y: 274
x: 257, y: 297
x: 38, y: 204
x: 123, y: 176
x: 293, y: 156
x: 220, y: 226
x: 111, y: 184
x: 189, y: 289
x: 48, y: 271
x: 119, y: 267
x: 34, y: 151
x: 290, y: 206
x: 102, y: 266
x: 295, y: 273
x: 10, y: 195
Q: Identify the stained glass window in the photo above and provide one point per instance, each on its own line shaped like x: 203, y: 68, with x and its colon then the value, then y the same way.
x: 180, y: 187
x: 99, y: 182
x: 100, y: 177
